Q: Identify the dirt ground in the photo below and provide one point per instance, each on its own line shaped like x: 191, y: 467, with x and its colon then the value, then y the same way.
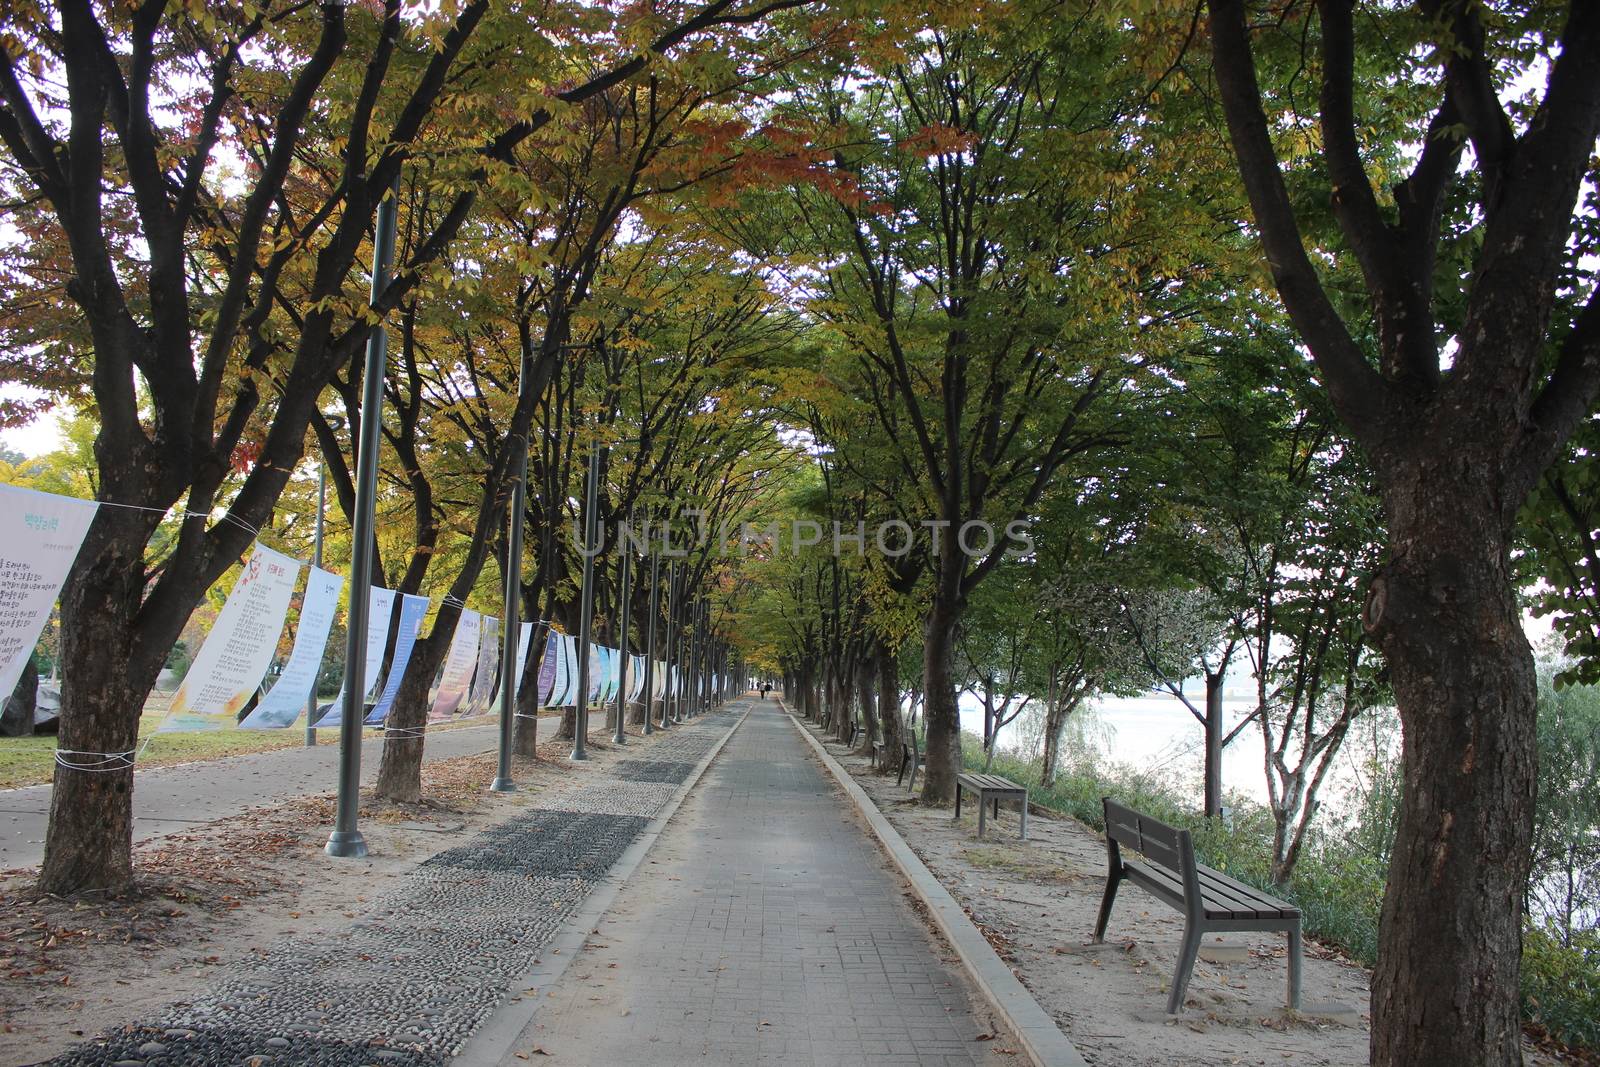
x: 1037, y: 901
x: 72, y: 969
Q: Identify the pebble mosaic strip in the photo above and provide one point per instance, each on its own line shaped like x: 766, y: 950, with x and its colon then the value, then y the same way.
x: 653, y: 770
x: 409, y: 983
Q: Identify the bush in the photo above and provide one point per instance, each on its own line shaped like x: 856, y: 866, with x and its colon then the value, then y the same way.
x: 1561, y: 984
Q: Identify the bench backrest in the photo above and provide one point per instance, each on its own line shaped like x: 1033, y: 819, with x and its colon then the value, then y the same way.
x: 1160, y: 843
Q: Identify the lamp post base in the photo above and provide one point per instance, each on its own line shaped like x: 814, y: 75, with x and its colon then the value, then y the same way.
x: 502, y: 785
x: 349, y: 845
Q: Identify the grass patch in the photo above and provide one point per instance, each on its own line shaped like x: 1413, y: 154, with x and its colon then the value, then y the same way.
x: 31, y: 760
x: 1014, y: 861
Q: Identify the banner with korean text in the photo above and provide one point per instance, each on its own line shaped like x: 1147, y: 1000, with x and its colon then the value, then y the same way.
x: 282, y: 705
x: 233, y: 660
x: 40, y: 534
x: 458, y: 666
x: 413, y: 609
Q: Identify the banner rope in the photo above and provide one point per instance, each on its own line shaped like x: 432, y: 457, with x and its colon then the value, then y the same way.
x: 103, y: 762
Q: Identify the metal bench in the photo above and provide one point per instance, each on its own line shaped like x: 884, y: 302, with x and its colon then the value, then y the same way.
x: 1209, y: 899
x: 991, y: 788
x: 910, y: 756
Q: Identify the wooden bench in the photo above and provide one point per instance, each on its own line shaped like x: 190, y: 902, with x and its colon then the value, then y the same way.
x: 877, y: 754
x: 1210, y: 900
x: 910, y: 756
x: 991, y: 788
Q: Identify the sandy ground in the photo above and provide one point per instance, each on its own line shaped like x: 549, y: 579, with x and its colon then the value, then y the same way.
x: 1037, y: 901
x: 72, y: 969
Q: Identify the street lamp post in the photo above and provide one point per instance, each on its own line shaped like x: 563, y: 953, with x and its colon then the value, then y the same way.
x: 513, y: 605
x: 650, y: 642
x: 591, y: 529
x: 620, y: 737
x: 346, y: 840
x: 316, y: 561
x: 669, y: 664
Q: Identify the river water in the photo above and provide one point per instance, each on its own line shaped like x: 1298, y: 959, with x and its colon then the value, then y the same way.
x: 1155, y: 734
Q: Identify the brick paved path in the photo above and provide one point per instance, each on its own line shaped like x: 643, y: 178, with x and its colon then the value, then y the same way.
x: 764, y: 928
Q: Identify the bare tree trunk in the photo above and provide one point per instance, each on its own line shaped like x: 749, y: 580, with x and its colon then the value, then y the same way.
x: 400, y: 772
x: 1055, y: 724
x: 111, y: 664
x: 17, y: 718
x: 1213, y: 744
x: 889, y: 703
x: 941, y: 712
x: 866, y: 690
x: 1463, y: 676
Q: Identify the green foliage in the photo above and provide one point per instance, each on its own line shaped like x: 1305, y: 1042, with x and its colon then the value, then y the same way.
x: 1561, y: 984
x: 1560, y: 566
x: 1564, y: 886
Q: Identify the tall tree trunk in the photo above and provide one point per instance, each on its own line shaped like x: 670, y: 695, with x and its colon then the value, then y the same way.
x: 866, y: 691
x: 400, y: 772
x: 17, y: 718
x: 1055, y: 725
x: 889, y: 702
x: 1213, y: 744
x: 941, y: 712
x: 111, y: 666
x: 1446, y: 985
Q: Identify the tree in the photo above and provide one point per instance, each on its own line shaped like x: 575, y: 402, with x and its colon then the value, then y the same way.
x: 984, y: 283
x: 211, y: 314
x: 1560, y: 564
x: 1564, y: 884
x: 1465, y: 393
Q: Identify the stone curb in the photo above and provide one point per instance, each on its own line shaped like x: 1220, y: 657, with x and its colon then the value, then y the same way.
x: 496, y: 1039
x: 1043, y: 1041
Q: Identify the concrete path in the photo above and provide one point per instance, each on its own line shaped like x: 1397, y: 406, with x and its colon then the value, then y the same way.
x: 764, y: 928
x: 167, y: 799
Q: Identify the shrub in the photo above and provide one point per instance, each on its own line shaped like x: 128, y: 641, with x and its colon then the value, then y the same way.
x: 1561, y: 984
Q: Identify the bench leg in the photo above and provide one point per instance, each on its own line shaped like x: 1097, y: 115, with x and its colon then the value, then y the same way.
x: 1023, y: 836
x: 902, y: 775
x: 1295, y: 962
x: 1186, y: 958
x: 983, y: 810
x: 1110, y: 895
x: 911, y: 786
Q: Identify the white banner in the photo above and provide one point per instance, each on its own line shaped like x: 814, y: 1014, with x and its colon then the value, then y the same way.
x: 609, y: 664
x: 524, y: 641
x: 549, y: 664
x: 239, y: 647
x: 564, y: 692
x: 289, y: 695
x: 413, y: 609
x: 40, y: 534
x: 380, y: 610
x: 458, y: 665
x: 635, y: 677
x: 483, y: 677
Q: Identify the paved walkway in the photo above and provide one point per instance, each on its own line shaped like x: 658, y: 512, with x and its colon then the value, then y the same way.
x: 764, y: 928
x: 167, y: 799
